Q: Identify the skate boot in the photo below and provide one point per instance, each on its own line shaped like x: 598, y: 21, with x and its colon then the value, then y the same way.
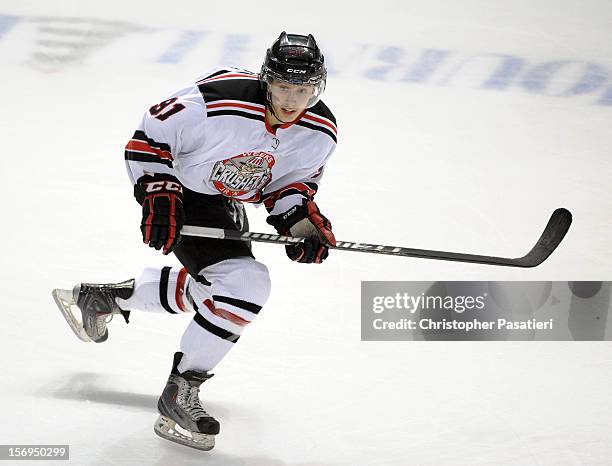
x: 97, y: 307
x: 181, y: 416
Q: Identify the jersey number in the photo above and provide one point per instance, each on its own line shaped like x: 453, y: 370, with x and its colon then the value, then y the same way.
x: 159, y: 111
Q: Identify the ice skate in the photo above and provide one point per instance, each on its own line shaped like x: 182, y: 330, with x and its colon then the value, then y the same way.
x: 89, y: 307
x: 181, y: 416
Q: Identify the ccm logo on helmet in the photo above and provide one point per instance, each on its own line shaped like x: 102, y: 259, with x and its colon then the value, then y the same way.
x: 293, y: 70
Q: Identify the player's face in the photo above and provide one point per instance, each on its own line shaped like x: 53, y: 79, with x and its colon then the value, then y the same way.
x: 289, y: 100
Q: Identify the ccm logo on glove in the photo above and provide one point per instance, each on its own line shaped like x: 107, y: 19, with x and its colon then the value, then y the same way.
x: 156, y: 186
x: 161, y: 198
x: 289, y: 213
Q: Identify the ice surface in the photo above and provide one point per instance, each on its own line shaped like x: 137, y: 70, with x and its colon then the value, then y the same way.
x: 463, y: 125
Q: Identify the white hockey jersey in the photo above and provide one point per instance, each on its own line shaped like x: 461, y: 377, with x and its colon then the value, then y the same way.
x: 213, y: 137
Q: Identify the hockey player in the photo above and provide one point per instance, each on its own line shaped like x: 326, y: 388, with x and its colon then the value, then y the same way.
x: 232, y: 137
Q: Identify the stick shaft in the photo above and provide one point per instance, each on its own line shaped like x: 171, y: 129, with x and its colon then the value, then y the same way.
x: 554, y: 232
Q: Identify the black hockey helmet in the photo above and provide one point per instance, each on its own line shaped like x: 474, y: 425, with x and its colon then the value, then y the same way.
x: 295, y: 59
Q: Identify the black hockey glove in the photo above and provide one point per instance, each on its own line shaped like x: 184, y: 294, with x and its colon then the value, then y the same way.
x: 161, y: 198
x: 306, y: 221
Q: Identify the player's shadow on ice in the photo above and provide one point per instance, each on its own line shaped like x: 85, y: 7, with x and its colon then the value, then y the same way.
x: 86, y: 386
x: 143, y: 444
x: 89, y: 386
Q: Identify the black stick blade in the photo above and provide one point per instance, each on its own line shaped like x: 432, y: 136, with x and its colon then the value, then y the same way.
x: 553, y: 234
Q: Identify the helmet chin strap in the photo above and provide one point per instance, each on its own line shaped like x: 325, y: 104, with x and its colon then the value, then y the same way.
x: 276, y: 116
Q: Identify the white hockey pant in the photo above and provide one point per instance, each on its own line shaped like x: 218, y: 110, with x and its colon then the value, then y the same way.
x: 230, y: 297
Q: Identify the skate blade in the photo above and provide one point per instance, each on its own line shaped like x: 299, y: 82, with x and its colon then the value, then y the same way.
x: 65, y: 302
x: 167, y: 429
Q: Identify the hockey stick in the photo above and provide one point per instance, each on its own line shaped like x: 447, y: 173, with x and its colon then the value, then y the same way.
x: 554, y: 232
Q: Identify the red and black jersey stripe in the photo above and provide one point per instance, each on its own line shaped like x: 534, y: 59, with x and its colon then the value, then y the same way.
x: 236, y: 112
x: 236, y: 95
x: 320, y: 118
x: 228, y: 73
x: 323, y: 110
x: 240, y: 94
x: 237, y: 108
x: 303, y: 122
x: 142, y: 148
x: 216, y: 73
